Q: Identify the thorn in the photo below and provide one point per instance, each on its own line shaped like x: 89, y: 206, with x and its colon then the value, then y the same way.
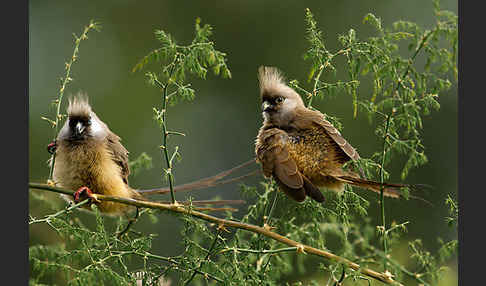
x: 268, y: 227
x: 51, y: 183
x: 300, y: 249
x: 223, y: 228
x: 388, y: 275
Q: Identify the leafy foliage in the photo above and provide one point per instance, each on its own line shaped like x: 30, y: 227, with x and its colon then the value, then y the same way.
x: 143, y: 161
x: 402, y: 94
x: 176, y: 60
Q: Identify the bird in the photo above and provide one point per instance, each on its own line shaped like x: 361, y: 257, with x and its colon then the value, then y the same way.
x: 90, y: 158
x: 300, y: 149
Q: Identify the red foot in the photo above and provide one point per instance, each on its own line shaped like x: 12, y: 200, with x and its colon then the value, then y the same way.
x: 51, y: 148
x: 83, y: 191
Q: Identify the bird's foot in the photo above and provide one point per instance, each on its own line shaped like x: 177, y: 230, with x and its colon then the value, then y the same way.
x: 84, y: 192
x: 51, y: 148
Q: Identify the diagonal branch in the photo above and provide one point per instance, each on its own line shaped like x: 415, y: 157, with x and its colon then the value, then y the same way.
x: 177, y: 208
x: 190, y: 204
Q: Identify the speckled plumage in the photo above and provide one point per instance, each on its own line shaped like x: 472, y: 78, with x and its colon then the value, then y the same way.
x: 316, y: 155
x: 299, y: 148
x: 96, y: 160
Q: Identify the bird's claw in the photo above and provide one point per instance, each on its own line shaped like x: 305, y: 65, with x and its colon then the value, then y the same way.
x: 84, y: 191
x: 51, y: 148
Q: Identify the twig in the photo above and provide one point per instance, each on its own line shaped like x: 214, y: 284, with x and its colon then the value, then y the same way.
x: 382, y: 189
x: 274, y: 203
x: 385, y: 138
x: 168, y: 259
x: 65, y: 81
x: 256, y: 251
x: 314, y: 91
x: 398, y: 265
x: 131, y: 221
x: 300, y: 248
x: 343, y: 275
x: 207, y: 258
x: 165, y: 133
x: 66, y: 210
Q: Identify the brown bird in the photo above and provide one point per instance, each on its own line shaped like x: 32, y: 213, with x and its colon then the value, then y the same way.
x: 300, y: 149
x: 91, y: 159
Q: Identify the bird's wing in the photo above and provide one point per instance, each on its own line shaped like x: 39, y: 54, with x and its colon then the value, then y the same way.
x: 120, y: 155
x: 337, y: 137
x: 272, y: 152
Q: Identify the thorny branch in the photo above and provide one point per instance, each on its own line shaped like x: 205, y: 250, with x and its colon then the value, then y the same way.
x: 170, y: 260
x: 165, y: 135
x: 385, y: 141
x: 222, y: 223
x: 185, y: 204
x: 92, y: 25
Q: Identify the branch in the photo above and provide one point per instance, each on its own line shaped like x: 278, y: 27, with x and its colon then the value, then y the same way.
x: 177, y: 208
x: 385, y: 141
x: 65, y: 81
x: 164, y: 138
x: 256, y: 251
x: 167, y: 259
x: 208, y: 202
x: 205, y: 259
x: 48, y: 218
x: 184, y: 204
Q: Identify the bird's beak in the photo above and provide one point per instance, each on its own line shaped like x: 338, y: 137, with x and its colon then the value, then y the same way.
x: 79, y: 128
x: 267, y: 106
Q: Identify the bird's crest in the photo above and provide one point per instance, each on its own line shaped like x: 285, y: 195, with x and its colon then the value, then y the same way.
x: 79, y: 106
x: 270, y: 78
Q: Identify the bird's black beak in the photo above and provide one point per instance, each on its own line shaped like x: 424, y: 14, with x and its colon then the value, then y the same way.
x: 78, y: 129
x: 267, y: 106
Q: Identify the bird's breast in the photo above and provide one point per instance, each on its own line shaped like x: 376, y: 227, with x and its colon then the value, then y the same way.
x: 89, y: 165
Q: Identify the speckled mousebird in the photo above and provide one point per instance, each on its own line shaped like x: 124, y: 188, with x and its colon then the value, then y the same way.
x: 91, y: 159
x: 300, y: 149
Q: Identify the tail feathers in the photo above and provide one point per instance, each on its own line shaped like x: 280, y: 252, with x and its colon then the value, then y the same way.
x: 312, y: 191
x: 390, y: 190
x: 296, y: 194
x: 137, y: 196
x: 299, y: 195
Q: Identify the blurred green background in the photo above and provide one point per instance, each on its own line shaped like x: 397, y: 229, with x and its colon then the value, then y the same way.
x: 223, y: 120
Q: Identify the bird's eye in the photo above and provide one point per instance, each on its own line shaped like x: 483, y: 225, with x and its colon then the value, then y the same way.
x: 88, y: 122
x: 279, y: 99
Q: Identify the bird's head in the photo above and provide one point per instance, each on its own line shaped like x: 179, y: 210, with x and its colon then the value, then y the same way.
x: 279, y: 101
x: 82, y: 123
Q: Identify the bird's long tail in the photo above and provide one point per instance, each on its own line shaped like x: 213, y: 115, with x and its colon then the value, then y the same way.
x: 205, y: 182
x: 389, y: 189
